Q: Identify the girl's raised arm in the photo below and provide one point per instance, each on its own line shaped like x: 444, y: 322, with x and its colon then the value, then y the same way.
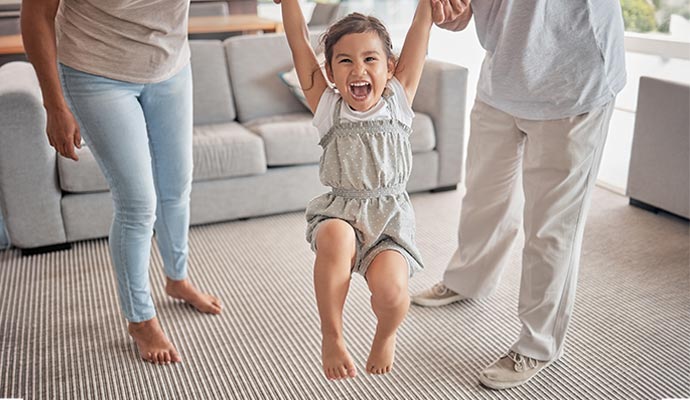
x: 311, y: 79
x: 409, y: 68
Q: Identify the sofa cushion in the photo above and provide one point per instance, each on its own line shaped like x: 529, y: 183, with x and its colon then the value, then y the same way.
x: 212, y: 91
x: 227, y: 150
x: 220, y: 151
x: 257, y: 87
x: 423, y: 136
x: 291, y: 139
x: 82, y: 176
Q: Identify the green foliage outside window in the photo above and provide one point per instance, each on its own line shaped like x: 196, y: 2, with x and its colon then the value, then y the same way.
x: 666, y: 8
x: 638, y: 16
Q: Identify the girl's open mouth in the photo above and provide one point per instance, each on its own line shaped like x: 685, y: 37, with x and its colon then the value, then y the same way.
x: 360, y: 90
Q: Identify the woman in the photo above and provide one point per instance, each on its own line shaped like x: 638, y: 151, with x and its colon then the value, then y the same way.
x: 118, y: 72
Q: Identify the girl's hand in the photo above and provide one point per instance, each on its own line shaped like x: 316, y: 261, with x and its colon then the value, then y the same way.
x: 449, y: 12
x: 63, y: 132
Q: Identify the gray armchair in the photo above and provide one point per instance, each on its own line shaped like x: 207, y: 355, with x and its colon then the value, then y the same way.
x: 9, y: 26
x: 199, y: 9
x: 659, y: 175
x: 324, y: 14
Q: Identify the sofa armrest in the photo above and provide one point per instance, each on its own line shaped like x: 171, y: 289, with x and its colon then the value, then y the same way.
x: 29, y: 191
x: 441, y: 94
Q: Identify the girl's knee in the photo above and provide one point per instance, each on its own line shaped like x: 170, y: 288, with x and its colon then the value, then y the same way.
x: 389, y: 293
x: 335, y: 234
x: 387, y: 278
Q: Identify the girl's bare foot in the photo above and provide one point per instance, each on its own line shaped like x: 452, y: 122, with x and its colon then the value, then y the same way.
x: 337, y: 362
x: 153, y: 345
x: 381, y: 355
x: 184, y: 290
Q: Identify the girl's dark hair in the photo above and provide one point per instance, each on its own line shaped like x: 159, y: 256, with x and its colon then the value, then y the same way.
x: 356, y: 23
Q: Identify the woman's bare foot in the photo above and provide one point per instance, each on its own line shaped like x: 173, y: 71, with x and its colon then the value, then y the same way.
x: 184, y: 290
x: 153, y: 345
x: 381, y: 355
x: 337, y: 362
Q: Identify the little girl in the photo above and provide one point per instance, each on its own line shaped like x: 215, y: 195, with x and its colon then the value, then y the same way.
x: 366, y: 223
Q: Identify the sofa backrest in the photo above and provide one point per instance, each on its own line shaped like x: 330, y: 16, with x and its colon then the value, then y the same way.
x: 213, y: 101
x: 254, y: 62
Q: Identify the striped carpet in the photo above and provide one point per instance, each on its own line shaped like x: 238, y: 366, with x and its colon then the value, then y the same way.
x: 62, y: 335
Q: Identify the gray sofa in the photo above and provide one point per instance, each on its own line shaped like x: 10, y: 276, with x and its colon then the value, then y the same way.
x: 255, y: 151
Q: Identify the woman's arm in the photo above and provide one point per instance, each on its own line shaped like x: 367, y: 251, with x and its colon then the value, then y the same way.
x: 308, y: 70
x: 453, y: 15
x: 413, y: 54
x: 38, y: 34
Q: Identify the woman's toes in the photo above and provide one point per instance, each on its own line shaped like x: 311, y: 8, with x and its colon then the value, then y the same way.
x: 175, y: 356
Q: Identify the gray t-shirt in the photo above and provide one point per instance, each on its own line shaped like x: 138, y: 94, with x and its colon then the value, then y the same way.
x: 550, y: 59
x: 129, y: 40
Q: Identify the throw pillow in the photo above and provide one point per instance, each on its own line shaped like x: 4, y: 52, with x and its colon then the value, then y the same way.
x: 291, y: 80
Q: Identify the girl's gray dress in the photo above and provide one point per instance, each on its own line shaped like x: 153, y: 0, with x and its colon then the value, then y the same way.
x: 367, y: 165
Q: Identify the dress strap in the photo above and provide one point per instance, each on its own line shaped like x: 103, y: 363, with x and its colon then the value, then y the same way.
x: 336, y: 111
x: 388, y: 97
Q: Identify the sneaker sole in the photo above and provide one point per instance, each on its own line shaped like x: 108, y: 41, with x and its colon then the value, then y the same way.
x: 501, y: 385
x: 436, y: 302
x: 508, y: 385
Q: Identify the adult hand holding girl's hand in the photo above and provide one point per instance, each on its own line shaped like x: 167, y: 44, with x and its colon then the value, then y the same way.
x: 63, y: 132
x: 451, y: 14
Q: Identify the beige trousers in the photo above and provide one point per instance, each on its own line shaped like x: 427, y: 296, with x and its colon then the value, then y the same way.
x: 538, y: 174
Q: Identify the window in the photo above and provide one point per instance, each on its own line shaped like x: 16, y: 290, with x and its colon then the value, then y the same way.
x: 667, y: 17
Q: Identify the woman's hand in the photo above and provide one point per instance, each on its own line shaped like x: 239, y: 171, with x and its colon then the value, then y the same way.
x: 63, y: 132
x: 453, y: 15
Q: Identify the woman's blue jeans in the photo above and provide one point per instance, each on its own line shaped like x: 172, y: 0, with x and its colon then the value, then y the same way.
x: 141, y: 137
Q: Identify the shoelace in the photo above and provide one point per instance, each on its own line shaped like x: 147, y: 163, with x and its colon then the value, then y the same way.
x: 520, y: 361
x: 439, y: 289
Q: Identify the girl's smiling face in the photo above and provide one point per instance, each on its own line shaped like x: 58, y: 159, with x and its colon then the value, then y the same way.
x: 360, y: 69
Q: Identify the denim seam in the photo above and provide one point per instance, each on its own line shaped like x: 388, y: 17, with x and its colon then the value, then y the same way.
x: 159, y: 203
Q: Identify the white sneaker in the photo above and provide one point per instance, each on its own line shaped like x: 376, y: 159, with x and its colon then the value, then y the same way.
x: 511, y: 370
x: 436, y: 296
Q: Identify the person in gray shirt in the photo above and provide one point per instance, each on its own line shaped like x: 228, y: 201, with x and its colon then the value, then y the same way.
x: 545, y: 96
